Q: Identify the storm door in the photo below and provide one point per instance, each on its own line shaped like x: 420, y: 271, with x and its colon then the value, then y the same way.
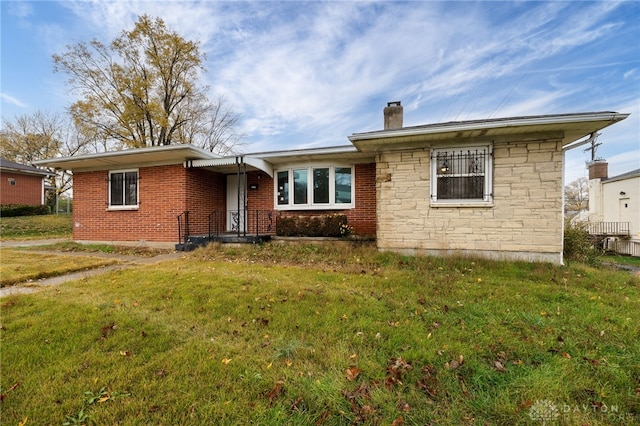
x: 236, y: 203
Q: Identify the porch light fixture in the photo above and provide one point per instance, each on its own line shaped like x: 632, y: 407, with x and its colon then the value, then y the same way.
x: 623, y: 193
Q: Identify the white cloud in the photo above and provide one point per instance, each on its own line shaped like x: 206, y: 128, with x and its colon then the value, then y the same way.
x: 19, y: 9
x: 12, y: 100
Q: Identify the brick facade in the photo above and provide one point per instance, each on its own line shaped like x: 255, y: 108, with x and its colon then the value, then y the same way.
x: 167, y: 191
x: 362, y: 218
x: 163, y: 196
x: 27, y: 190
x: 524, y: 222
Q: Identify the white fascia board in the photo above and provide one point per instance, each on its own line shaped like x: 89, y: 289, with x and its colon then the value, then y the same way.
x: 181, y: 150
x: 490, y: 124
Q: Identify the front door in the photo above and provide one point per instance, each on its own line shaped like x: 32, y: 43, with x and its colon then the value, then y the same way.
x: 236, y: 193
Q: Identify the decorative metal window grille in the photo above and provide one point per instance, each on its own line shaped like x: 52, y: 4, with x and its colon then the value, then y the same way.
x: 461, y: 174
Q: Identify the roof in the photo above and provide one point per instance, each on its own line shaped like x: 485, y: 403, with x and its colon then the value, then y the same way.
x: 629, y: 175
x: 21, y: 168
x: 568, y: 127
x: 156, y: 155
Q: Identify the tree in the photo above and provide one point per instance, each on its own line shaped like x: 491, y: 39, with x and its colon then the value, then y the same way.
x: 142, y: 90
x: 41, y: 135
x: 31, y: 137
x: 576, y: 195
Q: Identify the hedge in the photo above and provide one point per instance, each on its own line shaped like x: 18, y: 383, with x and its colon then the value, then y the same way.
x: 12, y: 210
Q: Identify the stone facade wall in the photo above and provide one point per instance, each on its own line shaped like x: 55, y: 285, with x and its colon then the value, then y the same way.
x: 525, y: 220
x: 27, y: 189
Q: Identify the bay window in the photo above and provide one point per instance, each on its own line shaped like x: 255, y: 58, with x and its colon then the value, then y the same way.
x: 322, y: 187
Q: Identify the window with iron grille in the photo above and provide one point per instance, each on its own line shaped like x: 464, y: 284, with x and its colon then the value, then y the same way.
x: 461, y: 175
x: 123, y: 189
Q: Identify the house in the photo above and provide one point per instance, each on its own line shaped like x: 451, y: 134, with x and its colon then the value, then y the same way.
x: 21, y: 184
x: 614, y: 208
x: 487, y: 187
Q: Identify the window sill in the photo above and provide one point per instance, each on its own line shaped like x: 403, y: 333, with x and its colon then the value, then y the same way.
x: 119, y: 209
x: 462, y: 204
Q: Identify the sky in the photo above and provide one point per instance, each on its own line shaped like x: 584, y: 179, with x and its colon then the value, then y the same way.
x: 309, y: 74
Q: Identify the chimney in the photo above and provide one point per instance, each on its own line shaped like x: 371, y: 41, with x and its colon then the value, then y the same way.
x: 393, y: 116
x: 598, y: 169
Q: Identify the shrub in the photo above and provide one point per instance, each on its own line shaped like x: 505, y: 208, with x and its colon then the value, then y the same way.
x: 578, y: 244
x: 334, y: 225
x: 13, y: 210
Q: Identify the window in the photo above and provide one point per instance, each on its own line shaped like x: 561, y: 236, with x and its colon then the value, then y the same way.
x: 123, y: 189
x: 324, y: 187
x: 461, y: 175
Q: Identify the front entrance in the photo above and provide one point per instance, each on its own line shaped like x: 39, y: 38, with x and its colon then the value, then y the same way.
x: 236, y: 203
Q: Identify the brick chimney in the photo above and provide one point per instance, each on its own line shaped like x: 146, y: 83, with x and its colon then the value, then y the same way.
x: 598, y: 169
x: 393, y: 116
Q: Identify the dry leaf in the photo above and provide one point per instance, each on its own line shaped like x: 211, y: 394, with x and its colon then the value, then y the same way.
x: 498, y: 366
x: 352, y: 373
x: 226, y: 361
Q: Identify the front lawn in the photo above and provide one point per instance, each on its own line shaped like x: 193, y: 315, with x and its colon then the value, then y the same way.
x: 326, y: 335
x: 18, y: 266
x: 35, y: 227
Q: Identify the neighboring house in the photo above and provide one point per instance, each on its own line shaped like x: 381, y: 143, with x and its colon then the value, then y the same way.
x: 614, y: 207
x: 21, y: 184
x: 490, y: 188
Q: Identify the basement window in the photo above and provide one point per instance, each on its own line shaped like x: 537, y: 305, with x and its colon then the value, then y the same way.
x: 123, y: 189
x: 462, y: 176
x: 314, y: 187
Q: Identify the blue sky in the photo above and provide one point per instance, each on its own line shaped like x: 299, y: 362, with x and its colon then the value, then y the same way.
x: 309, y: 74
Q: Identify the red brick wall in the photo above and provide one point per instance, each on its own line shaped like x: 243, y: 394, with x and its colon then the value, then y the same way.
x: 362, y: 218
x: 27, y: 190
x: 167, y: 191
x: 162, y: 197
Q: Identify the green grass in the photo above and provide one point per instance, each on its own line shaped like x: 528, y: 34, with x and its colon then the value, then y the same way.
x: 331, y: 335
x: 17, y: 267
x: 35, y: 227
x: 622, y: 260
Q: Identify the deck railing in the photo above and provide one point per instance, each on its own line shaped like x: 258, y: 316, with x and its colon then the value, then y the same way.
x: 609, y: 228
x: 225, y: 222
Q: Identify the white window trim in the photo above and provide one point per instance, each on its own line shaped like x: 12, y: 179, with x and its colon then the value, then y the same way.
x: 486, y: 201
x: 310, y: 205
x: 123, y: 207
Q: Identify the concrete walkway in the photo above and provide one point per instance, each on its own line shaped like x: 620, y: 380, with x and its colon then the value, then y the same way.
x: 126, y: 261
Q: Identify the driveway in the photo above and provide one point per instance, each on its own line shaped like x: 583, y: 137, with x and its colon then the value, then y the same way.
x: 127, y: 261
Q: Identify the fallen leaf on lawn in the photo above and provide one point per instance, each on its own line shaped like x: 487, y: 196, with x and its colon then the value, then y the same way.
x: 125, y: 353
x: 226, y: 361
x: 398, y: 422
x: 565, y: 355
x: 104, y: 399
x: 277, y: 390
x: 24, y: 421
x: 498, y: 366
x: 352, y: 373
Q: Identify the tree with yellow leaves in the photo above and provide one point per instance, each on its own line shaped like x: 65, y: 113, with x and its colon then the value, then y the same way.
x: 143, y: 90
